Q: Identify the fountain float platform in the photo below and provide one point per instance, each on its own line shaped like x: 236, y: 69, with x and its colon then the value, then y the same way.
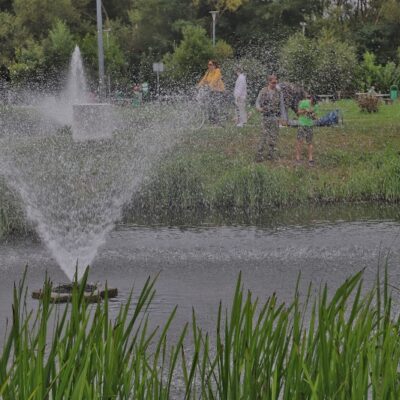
x: 63, y: 293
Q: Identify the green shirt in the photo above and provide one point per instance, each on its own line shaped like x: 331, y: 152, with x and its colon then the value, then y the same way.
x: 305, y: 120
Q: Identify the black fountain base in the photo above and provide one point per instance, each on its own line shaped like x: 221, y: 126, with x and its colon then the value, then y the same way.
x: 63, y: 293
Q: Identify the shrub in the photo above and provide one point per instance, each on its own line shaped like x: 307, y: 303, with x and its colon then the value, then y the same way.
x: 369, y: 103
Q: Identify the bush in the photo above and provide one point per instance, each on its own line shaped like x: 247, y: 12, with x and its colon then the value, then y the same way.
x: 369, y: 103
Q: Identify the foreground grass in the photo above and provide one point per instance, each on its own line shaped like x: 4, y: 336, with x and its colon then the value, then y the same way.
x: 215, y: 169
x: 344, y: 345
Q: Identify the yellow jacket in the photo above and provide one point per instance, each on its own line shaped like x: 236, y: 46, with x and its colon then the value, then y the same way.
x: 213, y: 79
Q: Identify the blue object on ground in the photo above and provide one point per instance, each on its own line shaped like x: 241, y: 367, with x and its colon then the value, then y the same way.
x: 331, y: 118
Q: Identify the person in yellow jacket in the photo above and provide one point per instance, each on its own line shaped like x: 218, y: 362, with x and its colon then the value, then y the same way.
x: 213, y: 83
x: 212, y: 79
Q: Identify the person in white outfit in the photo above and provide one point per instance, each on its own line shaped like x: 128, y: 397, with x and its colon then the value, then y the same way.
x: 240, y: 94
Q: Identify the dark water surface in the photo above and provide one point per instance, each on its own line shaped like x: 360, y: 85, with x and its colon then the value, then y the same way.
x: 199, y: 266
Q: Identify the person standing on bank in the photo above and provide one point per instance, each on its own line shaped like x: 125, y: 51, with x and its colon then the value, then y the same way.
x: 270, y: 103
x: 213, y: 83
x: 240, y: 95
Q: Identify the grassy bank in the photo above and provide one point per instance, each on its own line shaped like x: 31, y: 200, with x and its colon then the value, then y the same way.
x: 214, y: 169
x: 341, y: 345
x: 213, y: 173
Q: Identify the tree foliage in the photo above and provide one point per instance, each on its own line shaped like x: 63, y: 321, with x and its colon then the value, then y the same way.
x: 36, y: 35
x: 380, y: 76
x: 323, y: 65
x: 189, y: 59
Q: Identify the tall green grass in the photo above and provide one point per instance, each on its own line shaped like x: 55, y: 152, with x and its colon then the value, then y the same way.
x: 184, y: 187
x: 340, y: 345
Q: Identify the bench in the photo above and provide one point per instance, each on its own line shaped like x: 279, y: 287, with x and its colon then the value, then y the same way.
x: 383, y: 96
x: 325, y: 97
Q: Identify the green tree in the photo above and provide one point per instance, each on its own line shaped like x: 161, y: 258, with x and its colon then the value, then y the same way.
x: 323, y: 65
x: 188, y: 61
x: 8, y: 37
x: 58, y: 46
x: 380, y: 76
x: 156, y: 23
x: 256, y: 72
x: 38, y: 16
x: 298, y: 60
x: 222, y: 5
x: 336, y: 63
x: 114, y: 59
x: 28, y: 65
x: 189, y: 58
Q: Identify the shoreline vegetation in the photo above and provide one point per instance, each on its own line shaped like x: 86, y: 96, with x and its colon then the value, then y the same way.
x: 212, y: 173
x: 322, y: 344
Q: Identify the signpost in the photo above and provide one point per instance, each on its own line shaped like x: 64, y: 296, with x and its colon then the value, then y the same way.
x: 158, y: 68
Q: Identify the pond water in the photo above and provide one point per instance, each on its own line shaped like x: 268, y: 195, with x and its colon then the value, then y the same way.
x: 199, y: 266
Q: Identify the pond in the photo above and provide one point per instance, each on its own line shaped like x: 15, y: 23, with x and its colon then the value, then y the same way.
x: 198, y: 265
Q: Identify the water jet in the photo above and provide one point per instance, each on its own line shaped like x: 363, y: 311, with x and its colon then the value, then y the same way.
x: 92, y: 121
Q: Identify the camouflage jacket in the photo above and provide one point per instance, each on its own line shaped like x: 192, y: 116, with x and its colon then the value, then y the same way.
x: 272, y: 103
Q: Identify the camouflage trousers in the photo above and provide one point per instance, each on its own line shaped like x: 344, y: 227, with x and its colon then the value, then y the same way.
x: 269, y: 137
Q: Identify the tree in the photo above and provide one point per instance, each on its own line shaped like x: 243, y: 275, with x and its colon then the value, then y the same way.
x: 223, y: 5
x: 38, y: 16
x: 189, y: 59
x: 326, y: 65
x: 114, y: 58
x: 28, y: 65
x: 156, y: 23
x: 256, y: 72
x: 298, y: 60
x: 58, y: 46
x: 8, y: 38
x: 336, y: 63
x: 380, y: 76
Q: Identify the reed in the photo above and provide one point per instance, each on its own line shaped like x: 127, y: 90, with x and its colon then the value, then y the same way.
x: 319, y: 346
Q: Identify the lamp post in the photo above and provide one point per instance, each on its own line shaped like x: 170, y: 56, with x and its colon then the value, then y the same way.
x: 214, y: 19
x: 100, y: 49
x: 303, y: 25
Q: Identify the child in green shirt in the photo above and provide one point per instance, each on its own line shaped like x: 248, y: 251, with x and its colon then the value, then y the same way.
x: 305, y: 131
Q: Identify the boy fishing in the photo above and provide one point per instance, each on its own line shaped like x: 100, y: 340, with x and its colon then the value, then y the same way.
x: 306, y: 113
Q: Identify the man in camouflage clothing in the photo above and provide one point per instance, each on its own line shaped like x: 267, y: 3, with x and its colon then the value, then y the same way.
x: 270, y: 103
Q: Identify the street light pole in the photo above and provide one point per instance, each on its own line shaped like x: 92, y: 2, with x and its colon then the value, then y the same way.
x: 100, y: 49
x: 214, y: 19
x: 303, y: 25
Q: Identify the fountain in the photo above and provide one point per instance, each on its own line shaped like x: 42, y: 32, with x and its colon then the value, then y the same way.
x: 73, y: 188
x: 89, y: 120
